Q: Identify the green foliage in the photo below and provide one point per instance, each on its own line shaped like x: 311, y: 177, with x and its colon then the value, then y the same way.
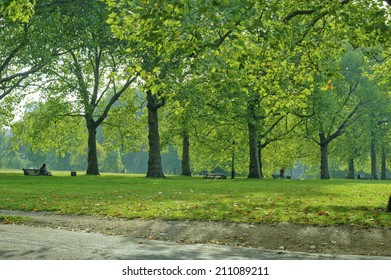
x: 112, y: 162
x: 125, y: 127
x: 42, y: 130
x: 24, y: 51
x: 78, y: 159
x: 340, y: 102
x: 9, y: 158
x: 219, y: 67
x: 17, y: 10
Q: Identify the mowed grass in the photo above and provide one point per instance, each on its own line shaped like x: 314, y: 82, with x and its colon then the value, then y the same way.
x: 321, y: 202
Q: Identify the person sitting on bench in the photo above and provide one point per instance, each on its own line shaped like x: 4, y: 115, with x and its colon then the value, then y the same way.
x: 43, y: 170
x: 282, y: 172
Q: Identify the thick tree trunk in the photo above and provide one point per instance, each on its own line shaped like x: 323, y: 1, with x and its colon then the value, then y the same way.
x: 92, y: 159
x: 155, y: 169
x: 186, y: 156
x: 324, y: 161
x: 254, y: 169
x: 351, y: 169
x: 373, y: 160
x: 383, y: 175
x: 260, y: 159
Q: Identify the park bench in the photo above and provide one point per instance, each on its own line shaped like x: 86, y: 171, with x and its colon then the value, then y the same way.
x: 215, y: 176
x: 277, y: 176
x: 34, y: 172
x: 31, y: 172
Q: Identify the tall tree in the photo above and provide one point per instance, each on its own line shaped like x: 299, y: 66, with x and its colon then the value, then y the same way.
x: 92, y: 71
x: 339, y: 104
x: 189, y: 28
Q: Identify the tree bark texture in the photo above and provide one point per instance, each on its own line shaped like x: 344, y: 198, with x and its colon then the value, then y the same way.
x: 324, y: 160
x: 254, y: 168
x: 260, y: 159
x: 92, y: 159
x: 373, y: 159
x: 186, y: 156
x: 155, y: 169
x: 383, y: 175
x: 350, y: 169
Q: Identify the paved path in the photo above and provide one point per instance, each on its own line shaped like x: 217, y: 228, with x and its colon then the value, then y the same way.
x: 26, y: 243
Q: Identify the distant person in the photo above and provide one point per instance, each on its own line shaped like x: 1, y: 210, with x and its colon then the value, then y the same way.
x: 43, y: 170
x: 282, y: 172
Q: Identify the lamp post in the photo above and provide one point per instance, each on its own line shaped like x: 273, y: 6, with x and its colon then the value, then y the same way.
x: 233, y: 161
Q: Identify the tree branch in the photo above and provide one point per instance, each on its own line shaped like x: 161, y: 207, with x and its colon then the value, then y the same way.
x: 298, y: 13
x: 15, y: 50
x: 344, y: 124
x: 310, y: 12
x: 113, y: 99
x: 22, y: 74
x: 352, y: 88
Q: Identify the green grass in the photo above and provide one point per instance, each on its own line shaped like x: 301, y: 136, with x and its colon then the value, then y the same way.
x: 7, y: 219
x: 177, y: 198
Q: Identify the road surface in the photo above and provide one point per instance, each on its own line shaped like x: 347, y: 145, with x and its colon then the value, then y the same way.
x: 19, y: 242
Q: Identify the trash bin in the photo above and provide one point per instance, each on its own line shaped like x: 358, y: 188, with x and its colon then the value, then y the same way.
x: 73, y: 173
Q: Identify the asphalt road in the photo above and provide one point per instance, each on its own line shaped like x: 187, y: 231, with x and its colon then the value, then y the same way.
x: 31, y: 243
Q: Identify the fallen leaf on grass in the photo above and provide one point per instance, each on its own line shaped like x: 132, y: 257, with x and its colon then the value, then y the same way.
x: 321, y: 213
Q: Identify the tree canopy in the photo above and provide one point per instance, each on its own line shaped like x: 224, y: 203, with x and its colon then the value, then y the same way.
x: 219, y: 79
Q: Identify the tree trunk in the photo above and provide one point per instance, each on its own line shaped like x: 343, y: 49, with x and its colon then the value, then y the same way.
x: 155, y: 169
x: 92, y: 159
x: 254, y: 169
x: 260, y: 159
x: 186, y: 156
x: 351, y: 169
x: 233, y: 172
x: 324, y: 160
x: 59, y: 161
x: 383, y: 175
x: 373, y: 159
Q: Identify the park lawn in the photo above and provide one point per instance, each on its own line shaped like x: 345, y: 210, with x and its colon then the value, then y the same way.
x: 319, y: 202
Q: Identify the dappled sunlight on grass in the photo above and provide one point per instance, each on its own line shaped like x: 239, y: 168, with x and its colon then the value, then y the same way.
x: 240, y: 200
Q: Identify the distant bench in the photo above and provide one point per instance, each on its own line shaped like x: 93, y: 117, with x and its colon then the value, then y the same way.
x: 34, y: 172
x: 31, y: 172
x: 215, y: 176
x: 277, y: 176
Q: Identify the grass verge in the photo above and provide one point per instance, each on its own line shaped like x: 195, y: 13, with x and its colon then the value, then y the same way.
x: 320, y: 202
x: 6, y: 219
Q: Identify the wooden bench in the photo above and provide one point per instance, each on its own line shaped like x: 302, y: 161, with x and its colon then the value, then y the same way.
x: 34, y: 172
x: 31, y: 172
x: 215, y: 176
x: 277, y: 176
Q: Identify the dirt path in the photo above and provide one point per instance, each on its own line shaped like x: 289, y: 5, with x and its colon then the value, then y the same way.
x: 347, y: 240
